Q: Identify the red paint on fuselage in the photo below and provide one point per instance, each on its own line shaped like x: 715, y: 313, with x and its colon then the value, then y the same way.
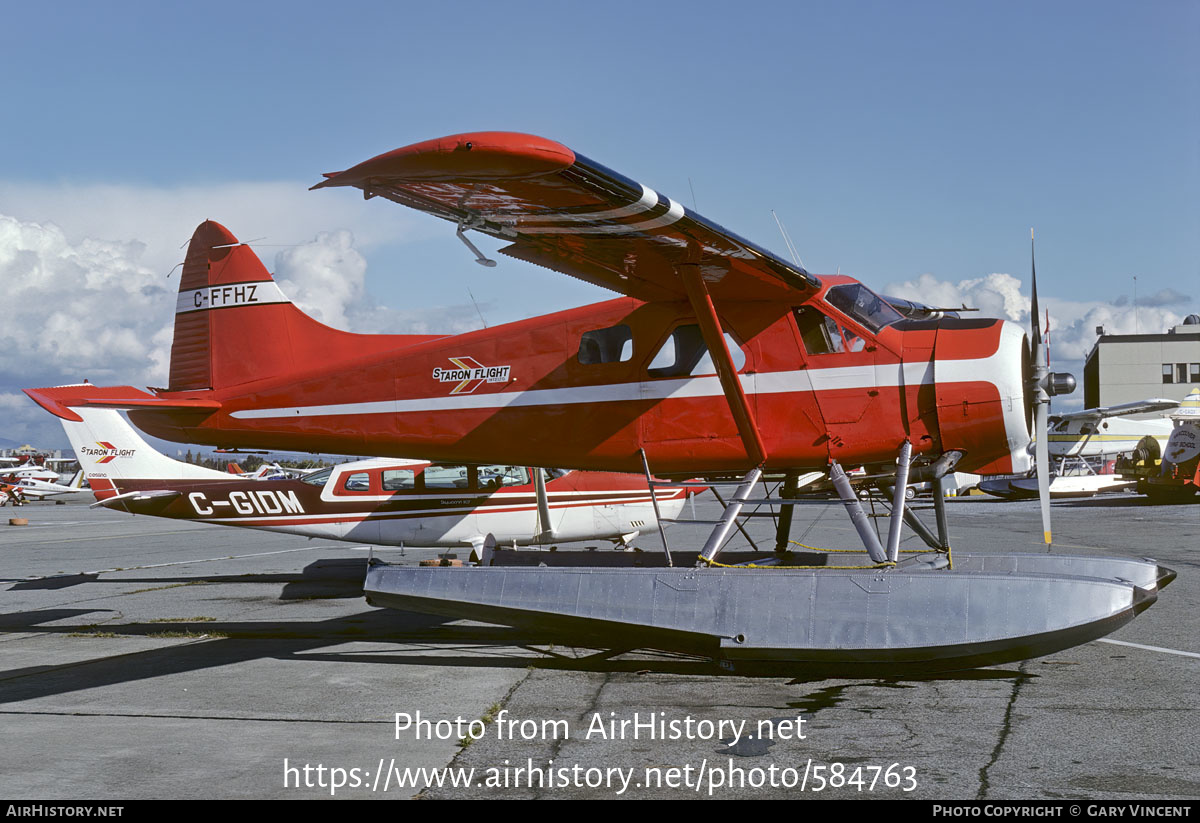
x: 555, y: 410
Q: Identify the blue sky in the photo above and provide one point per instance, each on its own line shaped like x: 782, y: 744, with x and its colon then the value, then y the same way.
x: 894, y: 140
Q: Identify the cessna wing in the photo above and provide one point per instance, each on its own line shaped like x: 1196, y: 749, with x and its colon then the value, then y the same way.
x: 1120, y: 410
x: 570, y: 214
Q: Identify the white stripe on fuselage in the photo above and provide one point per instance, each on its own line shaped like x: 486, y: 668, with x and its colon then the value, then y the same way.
x: 800, y: 380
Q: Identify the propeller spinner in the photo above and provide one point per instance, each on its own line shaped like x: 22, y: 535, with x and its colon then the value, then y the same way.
x: 1043, y: 385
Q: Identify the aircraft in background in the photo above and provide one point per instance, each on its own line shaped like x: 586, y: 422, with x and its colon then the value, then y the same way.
x: 30, y: 470
x: 1078, y: 439
x: 385, y: 501
x: 269, y: 471
x: 719, y: 359
x: 1108, y: 430
x: 43, y: 490
x: 1171, y: 473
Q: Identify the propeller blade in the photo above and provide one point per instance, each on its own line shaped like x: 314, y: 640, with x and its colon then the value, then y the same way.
x: 1042, y: 456
x: 1034, y: 322
x: 1041, y: 400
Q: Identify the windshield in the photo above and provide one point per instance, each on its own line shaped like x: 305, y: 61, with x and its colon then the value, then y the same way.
x: 864, y: 305
x: 317, y: 478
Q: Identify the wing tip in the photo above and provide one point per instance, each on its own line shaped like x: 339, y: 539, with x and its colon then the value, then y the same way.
x: 480, y: 155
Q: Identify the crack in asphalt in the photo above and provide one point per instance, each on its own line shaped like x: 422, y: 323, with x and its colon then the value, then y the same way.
x: 1005, y: 730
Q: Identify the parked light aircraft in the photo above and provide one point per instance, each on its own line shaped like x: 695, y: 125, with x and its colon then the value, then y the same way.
x: 268, y: 471
x: 42, y: 490
x: 385, y: 501
x: 1108, y: 430
x: 1076, y: 439
x: 719, y: 359
x: 32, y: 471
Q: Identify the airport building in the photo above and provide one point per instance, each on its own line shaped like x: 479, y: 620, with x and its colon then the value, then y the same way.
x: 1122, y: 368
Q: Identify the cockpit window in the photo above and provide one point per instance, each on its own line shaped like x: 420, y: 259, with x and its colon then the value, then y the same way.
x: 864, y: 305
x: 358, y: 482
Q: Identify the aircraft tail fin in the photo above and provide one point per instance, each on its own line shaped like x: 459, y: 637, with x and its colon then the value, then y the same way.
x: 234, y: 325
x: 110, y: 450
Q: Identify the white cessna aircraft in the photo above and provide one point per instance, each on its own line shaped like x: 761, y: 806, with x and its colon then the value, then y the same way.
x: 385, y: 501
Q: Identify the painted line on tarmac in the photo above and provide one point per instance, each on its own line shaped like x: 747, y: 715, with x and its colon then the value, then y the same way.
x: 1148, y: 648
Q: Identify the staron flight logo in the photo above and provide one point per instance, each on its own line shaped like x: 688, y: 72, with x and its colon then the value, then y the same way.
x: 470, y: 374
x: 106, y: 453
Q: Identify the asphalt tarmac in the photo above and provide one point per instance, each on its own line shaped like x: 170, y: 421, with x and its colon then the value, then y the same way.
x: 143, y: 658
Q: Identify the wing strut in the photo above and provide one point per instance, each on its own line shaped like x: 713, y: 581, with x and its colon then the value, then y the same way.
x: 714, y: 338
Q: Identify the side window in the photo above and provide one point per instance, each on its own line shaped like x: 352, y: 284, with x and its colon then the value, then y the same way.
x: 358, y: 482
x: 611, y: 345
x: 685, y: 354
x: 819, y: 332
x: 446, y: 477
x: 496, y: 477
x: 399, y: 480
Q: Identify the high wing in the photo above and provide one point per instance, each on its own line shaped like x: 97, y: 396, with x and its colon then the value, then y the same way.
x: 570, y: 214
x: 1120, y: 410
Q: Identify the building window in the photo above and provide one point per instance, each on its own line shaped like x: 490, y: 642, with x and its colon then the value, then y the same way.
x: 1168, y: 373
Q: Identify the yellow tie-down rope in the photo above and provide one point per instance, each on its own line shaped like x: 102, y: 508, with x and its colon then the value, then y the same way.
x: 887, y: 564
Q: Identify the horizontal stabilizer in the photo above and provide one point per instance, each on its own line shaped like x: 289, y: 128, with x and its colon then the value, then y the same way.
x: 58, y: 399
x: 119, y: 500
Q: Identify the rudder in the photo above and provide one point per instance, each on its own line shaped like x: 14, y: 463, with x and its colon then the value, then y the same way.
x: 234, y: 325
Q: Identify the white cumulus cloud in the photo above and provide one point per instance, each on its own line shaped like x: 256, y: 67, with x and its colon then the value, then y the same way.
x: 95, y: 309
x: 1072, y: 322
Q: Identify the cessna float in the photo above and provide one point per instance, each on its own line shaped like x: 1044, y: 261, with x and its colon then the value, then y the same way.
x: 718, y: 359
x: 383, y: 501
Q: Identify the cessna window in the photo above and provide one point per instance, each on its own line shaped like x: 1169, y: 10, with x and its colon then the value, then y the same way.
x: 612, y: 345
x: 684, y: 353
x: 317, y: 478
x: 863, y: 305
x: 446, y: 477
x: 399, y: 480
x: 495, y: 477
x: 358, y: 482
x: 820, y: 333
